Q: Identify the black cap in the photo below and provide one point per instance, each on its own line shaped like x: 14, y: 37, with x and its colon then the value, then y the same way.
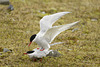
x: 32, y: 37
x: 29, y: 52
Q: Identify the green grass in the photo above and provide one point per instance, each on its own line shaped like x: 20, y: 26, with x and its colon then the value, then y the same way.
x: 81, y: 48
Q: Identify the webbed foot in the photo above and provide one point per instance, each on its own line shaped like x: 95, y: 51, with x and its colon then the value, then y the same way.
x: 41, y: 49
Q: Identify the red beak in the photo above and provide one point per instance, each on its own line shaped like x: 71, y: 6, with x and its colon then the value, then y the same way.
x: 29, y: 44
x: 25, y: 53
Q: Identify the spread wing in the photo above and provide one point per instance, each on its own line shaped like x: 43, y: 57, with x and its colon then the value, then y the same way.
x: 54, y: 31
x: 47, y: 21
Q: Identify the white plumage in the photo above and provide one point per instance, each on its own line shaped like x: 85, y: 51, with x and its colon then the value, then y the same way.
x: 48, y: 32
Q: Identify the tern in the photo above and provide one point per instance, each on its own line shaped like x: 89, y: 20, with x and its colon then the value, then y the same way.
x: 35, y: 53
x: 48, y: 32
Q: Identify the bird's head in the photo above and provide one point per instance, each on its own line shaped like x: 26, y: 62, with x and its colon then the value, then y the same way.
x: 29, y: 52
x: 31, y: 39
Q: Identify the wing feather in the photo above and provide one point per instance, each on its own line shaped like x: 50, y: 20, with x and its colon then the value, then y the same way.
x: 54, y: 31
x: 47, y: 21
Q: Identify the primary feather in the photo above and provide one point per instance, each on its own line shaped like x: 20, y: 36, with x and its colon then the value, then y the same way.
x: 54, y: 31
x: 47, y: 21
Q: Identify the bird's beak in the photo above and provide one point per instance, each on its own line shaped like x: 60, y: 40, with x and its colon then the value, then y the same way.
x: 29, y: 44
x: 25, y: 53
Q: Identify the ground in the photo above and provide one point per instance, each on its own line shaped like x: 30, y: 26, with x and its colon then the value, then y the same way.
x: 81, y: 48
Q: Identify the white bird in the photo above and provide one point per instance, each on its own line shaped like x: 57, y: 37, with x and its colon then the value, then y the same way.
x: 35, y: 53
x: 48, y: 32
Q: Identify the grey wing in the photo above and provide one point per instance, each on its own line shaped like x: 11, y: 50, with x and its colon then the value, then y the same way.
x: 47, y: 21
x: 54, y: 31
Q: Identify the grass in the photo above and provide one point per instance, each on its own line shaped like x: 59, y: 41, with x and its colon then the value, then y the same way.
x: 81, y: 48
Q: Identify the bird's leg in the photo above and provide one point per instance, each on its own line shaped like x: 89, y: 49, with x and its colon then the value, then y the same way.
x: 34, y: 59
x: 41, y: 49
x: 38, y: 48
x: 41, y: 60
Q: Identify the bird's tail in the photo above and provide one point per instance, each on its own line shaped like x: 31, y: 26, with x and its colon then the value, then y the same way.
x: 56, y: 43
x: 67, y: 26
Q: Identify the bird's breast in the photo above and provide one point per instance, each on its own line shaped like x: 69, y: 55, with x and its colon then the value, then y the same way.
x: 39, y: 40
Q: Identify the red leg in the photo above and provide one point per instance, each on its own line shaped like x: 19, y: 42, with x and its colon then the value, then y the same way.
x: 35, y: 59
x: 41, y: 60
x: 37, y: 48
x: 41, y: 49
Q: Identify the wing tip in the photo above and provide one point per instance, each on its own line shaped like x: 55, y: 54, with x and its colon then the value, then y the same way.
x: 76, y: 22
x: 67, y: 12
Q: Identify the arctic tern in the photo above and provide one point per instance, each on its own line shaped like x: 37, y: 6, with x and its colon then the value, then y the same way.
x: 48, y: 32
x: 35, y: 53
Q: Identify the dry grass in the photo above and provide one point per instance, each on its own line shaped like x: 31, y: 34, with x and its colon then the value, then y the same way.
x: 81, y: 48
